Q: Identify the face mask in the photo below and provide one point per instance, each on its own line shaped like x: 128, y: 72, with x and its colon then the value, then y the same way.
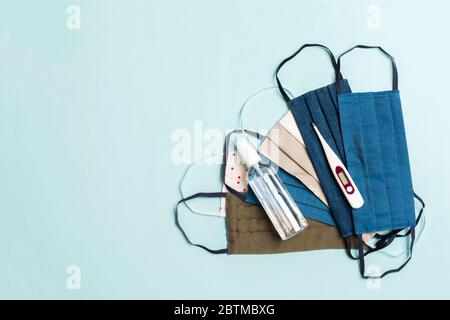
x: 376, y: 154
x: 249, y: 231
x: 320, y: 107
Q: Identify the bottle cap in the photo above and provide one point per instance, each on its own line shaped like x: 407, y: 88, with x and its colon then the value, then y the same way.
x: 247, y: 151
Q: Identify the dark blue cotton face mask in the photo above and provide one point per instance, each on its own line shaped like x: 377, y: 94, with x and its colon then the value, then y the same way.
x: 320, y: 107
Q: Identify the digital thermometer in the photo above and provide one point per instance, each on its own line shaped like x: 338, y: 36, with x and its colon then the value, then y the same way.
x: 341, y: 174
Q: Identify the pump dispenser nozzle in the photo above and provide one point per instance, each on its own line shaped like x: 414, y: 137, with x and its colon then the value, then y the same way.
x: 247, y: 151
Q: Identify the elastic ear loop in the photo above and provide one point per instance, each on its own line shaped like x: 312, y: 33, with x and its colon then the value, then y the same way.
x: 411, y: 233
x: 253, y: 95
x: 391, y: 58
x: 186, y: 173
x: 419, y: 235
x: 422, y: 221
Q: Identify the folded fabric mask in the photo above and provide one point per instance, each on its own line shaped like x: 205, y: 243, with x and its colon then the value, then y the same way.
x: 376, y: 154
x: 320, y: 106
x: 249, y: 231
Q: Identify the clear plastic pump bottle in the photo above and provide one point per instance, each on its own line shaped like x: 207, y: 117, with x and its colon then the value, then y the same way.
x: 270, y: 191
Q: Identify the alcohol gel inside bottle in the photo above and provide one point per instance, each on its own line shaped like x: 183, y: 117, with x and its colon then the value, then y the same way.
x: 270, y: 191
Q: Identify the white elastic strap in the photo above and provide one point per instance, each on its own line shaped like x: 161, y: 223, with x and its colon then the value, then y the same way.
x: 253, y: 95
x: 182, y: 192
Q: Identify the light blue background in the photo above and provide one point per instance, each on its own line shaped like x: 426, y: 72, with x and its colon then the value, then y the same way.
x: 86, y: 118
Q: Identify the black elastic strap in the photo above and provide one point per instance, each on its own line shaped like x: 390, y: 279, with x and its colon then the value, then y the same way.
x: 386, y: 239
x: 177, y: 221
x: 384, y: 242
x: 362, y: 268
x: 419, y: 217
x: 394, y: 66
x: 280, y: 87
x: 397, y: 234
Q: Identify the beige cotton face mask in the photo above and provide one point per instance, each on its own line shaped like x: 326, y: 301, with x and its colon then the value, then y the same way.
x: 285, y: 147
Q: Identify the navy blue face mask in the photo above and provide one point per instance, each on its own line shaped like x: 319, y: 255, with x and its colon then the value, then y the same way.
x: 376, y: 155
x: 320, y: 107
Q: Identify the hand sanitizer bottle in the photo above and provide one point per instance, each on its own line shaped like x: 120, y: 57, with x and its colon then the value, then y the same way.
x: 270, y: 191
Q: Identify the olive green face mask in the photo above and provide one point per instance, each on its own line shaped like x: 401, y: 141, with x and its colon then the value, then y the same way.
x: 249, y: 231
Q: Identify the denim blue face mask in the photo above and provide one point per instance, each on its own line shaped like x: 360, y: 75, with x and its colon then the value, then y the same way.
x: 320, y: 106
x: 376, y: 154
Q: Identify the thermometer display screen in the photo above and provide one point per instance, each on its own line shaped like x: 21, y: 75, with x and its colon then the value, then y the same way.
x: 343, y: 178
